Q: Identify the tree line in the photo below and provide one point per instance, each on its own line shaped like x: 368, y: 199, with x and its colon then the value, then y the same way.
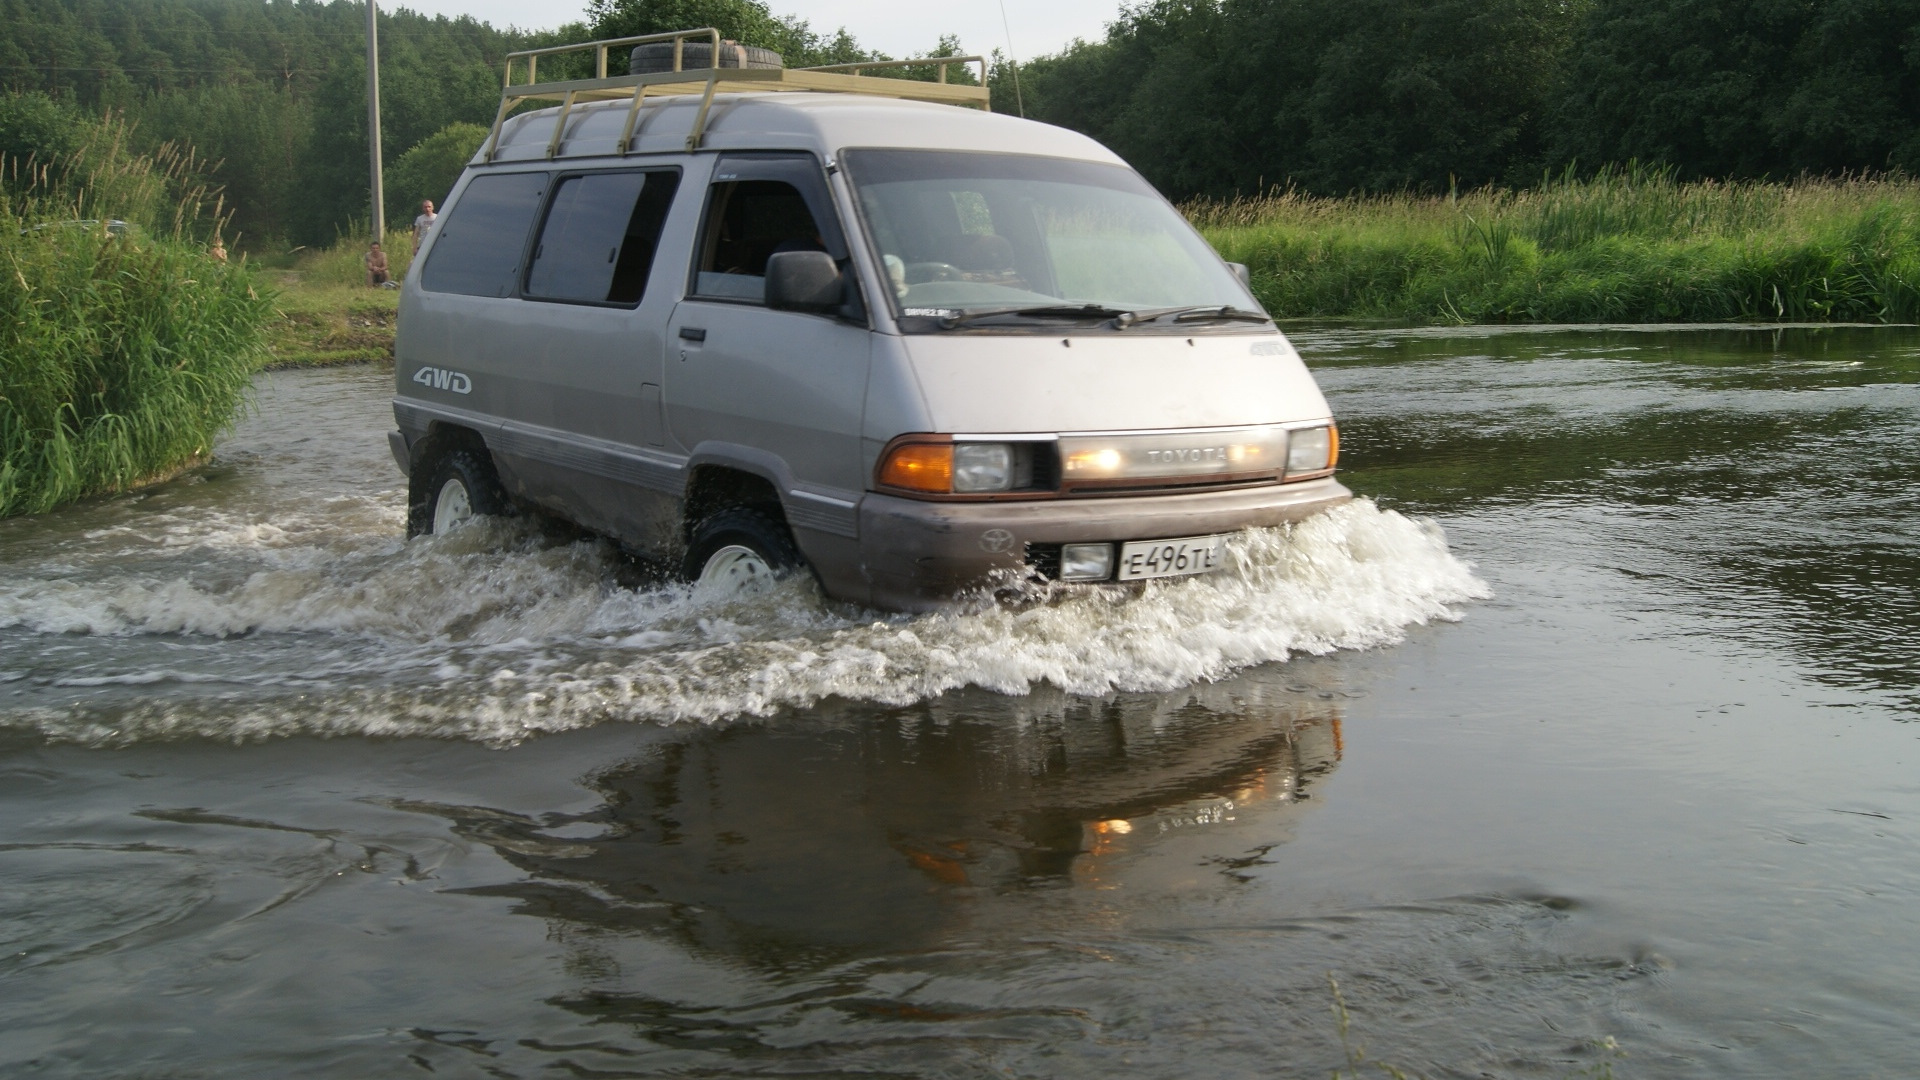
x: 1209, y: 98
x: 1214, y: 98
x: 271, y: 94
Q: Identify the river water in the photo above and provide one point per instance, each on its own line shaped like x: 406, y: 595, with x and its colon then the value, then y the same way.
x: 1581, y: 745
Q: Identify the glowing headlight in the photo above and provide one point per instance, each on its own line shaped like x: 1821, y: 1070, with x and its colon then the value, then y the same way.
x: 1216, y: 452
x: 982, y: 467
x: 1092, y: 462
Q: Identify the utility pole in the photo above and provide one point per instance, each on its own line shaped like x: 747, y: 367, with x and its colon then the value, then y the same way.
x: 378, y: 223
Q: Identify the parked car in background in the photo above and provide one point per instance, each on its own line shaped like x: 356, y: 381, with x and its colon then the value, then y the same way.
x: 113, y: 226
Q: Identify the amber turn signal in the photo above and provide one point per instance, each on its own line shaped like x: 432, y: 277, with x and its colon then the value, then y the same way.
x: 919, y: 467
x: 1333, y: 445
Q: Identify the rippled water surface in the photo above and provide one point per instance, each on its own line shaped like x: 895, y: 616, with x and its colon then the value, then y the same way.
x: 1581, y: 743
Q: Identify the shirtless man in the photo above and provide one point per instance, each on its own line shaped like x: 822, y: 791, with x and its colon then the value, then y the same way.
x: 376, y: 266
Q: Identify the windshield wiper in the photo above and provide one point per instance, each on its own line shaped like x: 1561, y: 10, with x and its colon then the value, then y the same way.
x: 1043, y: 311
x: 1121, y: 317
x: 1193, y: 313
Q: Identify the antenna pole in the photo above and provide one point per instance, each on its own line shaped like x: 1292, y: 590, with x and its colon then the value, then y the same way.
x: 1011, y: 57
x: 378, y: 222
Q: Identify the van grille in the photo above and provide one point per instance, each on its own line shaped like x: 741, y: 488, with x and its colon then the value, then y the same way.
x: 1202, y: 484
x: 1044, y: 560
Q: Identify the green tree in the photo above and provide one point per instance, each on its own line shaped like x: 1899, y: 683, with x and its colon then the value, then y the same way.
x: 1213, y: 97
x: 1697, y: 100
x: 430, y: 169
x: 271, y: 93
x: 749, y: 22
x: 251, y: 140
x: 38, y: 127
x: 1744, y: 88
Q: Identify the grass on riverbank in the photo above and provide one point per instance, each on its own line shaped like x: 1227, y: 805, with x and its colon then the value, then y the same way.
x: 325, y: 311
x: 1629, y: 245
x: 121, y: 358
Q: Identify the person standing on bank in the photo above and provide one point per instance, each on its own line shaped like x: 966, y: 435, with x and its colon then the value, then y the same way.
x: 377, y: 272
x: 424, y: 222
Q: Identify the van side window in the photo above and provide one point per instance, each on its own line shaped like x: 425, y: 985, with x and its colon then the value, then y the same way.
x: 747, y: 222
x: 477, y: 249
x: 599, y: 239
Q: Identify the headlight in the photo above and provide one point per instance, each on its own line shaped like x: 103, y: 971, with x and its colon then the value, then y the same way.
x: 1312, y: 450
x: 981, y: 467
x: 959, y: 468
x: 1086, y: 562
x: 1216, y: 452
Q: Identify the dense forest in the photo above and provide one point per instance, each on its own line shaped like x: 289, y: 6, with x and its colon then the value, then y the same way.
x: 271, y: 94
x: 1223, y: 97
x: 1208, y: 97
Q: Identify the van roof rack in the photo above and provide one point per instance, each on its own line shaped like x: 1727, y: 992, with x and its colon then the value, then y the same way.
x: 708, y: 81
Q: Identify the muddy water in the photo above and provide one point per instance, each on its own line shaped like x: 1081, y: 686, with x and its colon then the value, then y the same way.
x: 1583, y: 742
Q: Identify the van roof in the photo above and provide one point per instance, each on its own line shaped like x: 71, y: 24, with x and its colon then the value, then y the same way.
x: 824, y: 123
x: 823, y: 109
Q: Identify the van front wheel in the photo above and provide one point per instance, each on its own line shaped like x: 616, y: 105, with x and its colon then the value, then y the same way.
x: 739, y: 550
x: 455, y: 487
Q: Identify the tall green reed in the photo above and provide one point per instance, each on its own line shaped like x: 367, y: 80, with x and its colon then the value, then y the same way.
x: 121, y: 356
x: 103, y: 177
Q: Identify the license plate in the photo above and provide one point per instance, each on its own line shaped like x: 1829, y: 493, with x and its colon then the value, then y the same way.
x: 1171, y: 558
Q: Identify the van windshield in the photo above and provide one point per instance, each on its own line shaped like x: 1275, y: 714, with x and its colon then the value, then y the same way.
x: 963, y: 234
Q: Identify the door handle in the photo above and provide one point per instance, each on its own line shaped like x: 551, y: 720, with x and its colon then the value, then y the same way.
x: 692, y: 333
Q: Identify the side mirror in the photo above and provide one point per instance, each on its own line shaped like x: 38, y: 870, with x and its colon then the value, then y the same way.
x: 1245, y: 275
x: 805, y: 281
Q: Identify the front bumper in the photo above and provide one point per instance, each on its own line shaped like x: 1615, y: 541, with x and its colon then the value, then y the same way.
x: 916, y: 554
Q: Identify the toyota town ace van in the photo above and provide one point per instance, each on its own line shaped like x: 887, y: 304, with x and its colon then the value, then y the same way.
x: 749, y: 320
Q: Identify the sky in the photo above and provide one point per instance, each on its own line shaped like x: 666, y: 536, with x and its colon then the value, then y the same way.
x: 895, y: 27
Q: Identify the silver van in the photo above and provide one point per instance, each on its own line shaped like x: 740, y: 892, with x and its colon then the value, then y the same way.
x: 748, y: 320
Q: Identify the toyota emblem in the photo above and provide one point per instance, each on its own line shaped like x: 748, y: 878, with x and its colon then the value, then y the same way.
x: 996, y: 541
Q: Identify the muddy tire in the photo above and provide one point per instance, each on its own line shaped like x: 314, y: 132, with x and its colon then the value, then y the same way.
x: 740, y: 548
x: 450, y: 488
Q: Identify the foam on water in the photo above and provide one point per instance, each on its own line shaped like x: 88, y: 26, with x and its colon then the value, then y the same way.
x: 496, y: 633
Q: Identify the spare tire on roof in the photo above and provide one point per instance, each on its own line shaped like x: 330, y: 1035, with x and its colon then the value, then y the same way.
x: 656, y: 57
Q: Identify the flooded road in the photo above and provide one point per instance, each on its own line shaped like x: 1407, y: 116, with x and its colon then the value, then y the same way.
x: 1583, y: 742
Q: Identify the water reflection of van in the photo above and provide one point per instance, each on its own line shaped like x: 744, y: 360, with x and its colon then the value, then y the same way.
x: 752, y: 319
x: 852, y: 827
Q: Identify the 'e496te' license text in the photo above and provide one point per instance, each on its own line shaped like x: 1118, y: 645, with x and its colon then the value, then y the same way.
x: 1171, y: 558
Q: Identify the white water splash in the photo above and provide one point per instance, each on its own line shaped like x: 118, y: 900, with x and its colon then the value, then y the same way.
x: 495, y: 635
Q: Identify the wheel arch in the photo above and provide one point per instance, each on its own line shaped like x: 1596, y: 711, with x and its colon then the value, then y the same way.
x: 452, y: 448
x: 723, y: 475
x: 441, y: 436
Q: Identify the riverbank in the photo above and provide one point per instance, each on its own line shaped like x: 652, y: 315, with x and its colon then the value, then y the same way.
x: 325, y: 313
x: 1626, y: 246
x: 315, y: 326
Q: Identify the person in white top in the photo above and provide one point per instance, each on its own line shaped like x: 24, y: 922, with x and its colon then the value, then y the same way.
x: 424, y: 222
